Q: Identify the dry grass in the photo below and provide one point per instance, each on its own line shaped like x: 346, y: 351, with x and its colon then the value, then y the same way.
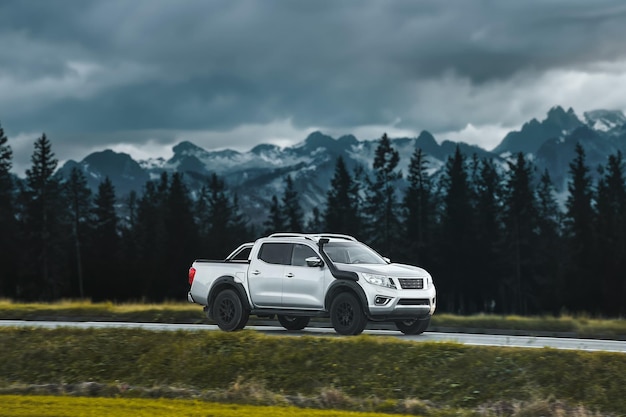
x: 98, y: 400
x: 85, y: 310
x: 46, y: 406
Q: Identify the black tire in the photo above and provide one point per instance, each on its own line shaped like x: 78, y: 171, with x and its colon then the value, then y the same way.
x: 229, y: 312
x: 346, y: 314
x: 413, y: 327
x: 293, y: 322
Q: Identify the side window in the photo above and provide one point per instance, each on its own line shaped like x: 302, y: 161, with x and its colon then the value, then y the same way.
x: 300, y: 253
x: 276, y: 253
x: 243, y: 254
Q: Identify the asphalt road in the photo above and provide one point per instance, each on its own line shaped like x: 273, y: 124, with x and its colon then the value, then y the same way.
x: 464, y: 338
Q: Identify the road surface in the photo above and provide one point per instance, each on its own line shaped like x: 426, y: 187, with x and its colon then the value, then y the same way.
x: 464, y: 338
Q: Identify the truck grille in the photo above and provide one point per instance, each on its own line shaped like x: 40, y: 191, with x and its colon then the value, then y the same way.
x: 411, y: 283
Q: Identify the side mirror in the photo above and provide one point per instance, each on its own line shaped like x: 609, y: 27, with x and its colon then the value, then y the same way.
x: 387, y: 259
x: 314, y: 261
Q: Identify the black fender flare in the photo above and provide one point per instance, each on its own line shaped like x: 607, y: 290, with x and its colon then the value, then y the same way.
x: 346, y: 285
x: 224, y: 282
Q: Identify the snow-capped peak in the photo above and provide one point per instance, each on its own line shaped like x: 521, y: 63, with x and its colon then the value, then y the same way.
x: 605, y: 120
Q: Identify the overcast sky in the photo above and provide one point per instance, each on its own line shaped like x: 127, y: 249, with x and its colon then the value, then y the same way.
x: 141, y: 75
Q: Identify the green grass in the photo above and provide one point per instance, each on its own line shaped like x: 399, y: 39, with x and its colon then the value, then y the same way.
x: 364, y: 373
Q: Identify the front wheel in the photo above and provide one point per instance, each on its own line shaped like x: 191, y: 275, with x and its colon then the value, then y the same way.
x: 293, y: 322
x: 229, y: 312
x: 346, y: 314
x: 413, y: 327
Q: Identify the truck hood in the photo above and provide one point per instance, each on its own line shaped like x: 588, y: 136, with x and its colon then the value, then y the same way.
x: 393, y: 270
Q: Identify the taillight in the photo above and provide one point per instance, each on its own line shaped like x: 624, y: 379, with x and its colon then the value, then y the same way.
x: 192, y: 274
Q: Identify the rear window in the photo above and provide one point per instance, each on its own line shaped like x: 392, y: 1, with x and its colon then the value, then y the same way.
x: 243, y: 254
x: 276, y: 253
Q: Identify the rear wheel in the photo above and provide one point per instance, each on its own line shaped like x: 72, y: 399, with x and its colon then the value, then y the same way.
x: 229, y: 312
x: 413, y: 327
x: 294, y: 322
x: 346, y: 314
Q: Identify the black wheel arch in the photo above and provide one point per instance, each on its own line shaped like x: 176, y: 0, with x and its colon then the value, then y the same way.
x: 222, y: 283
x: 340, y: 286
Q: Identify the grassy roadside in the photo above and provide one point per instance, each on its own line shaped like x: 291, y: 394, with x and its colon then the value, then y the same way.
x: 364, y: 373
x: 191, y: 313
x: 107, y: 311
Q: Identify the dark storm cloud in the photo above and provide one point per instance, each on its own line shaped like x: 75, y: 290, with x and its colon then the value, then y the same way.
x: 104, y: 66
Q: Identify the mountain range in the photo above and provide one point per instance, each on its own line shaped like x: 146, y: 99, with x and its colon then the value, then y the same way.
x: 258, y: 174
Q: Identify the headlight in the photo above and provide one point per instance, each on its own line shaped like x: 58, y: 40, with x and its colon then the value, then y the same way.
x: 429, y: 281
x: 381, y: 280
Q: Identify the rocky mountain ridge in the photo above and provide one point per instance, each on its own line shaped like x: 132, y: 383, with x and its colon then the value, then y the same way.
x: 258, y: 174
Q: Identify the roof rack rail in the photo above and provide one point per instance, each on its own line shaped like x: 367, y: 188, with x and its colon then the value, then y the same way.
x: 302, y: 235
x: 336, y: 236
x: 314, y: 236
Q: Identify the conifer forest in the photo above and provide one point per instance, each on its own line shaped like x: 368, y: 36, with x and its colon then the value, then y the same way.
x: 496, y: 238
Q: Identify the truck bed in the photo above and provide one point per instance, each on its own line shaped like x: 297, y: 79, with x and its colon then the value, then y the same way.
x: 209, y: 270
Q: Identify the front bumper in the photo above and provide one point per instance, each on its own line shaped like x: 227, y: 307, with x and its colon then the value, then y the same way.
x: 386, y: 304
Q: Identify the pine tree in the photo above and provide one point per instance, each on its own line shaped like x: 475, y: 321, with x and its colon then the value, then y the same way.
x: 611, y: 232
x: 105, y: 277
x: 418, y: 211
x: 78, y: 196
x: 132, y: 265
x: 216, y: 219
x: 106, y: 220
x: 6, y: 156
x: 488, y: 231
x: 221, y: 223
x: 202, y: 218
x: 43, y: 222
x: 129, y: 218
x: 8, y: 224
x: 520, y: 220
x: 550, y: 261
x: 181, y: 229
x: 240, y: 229
x: 342, y: 203
x: 549, y: 214
x: 292, y: 212
x: 151, y: 240
x: 359, y: 195
x: 315, y: 223
x: 456, y: 239
x: 275, y: 221
x: 580, y: 233
x: 382, y: 207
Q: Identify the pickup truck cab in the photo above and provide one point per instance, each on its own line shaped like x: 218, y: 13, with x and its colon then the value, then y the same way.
x: 299, y: 276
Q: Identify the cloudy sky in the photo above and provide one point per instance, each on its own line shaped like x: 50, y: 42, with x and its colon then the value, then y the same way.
x: 141, y: 75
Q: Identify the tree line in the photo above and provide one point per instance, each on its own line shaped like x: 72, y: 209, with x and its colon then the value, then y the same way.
x: 494, y: 237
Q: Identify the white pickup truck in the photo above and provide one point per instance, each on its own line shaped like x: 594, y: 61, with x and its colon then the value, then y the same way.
x: 299, y: 276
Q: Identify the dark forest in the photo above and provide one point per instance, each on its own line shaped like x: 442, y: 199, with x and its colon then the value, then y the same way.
x: 495, y: 238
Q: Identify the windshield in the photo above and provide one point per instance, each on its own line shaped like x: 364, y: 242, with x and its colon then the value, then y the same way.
x: 352, y: 253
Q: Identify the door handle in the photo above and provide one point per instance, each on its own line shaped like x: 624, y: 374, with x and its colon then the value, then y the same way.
x: 255, y: 272
x: 289, y: 275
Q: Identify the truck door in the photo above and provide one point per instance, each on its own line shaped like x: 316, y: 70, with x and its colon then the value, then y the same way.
x: 267, y: 273
x: 304, y: 285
